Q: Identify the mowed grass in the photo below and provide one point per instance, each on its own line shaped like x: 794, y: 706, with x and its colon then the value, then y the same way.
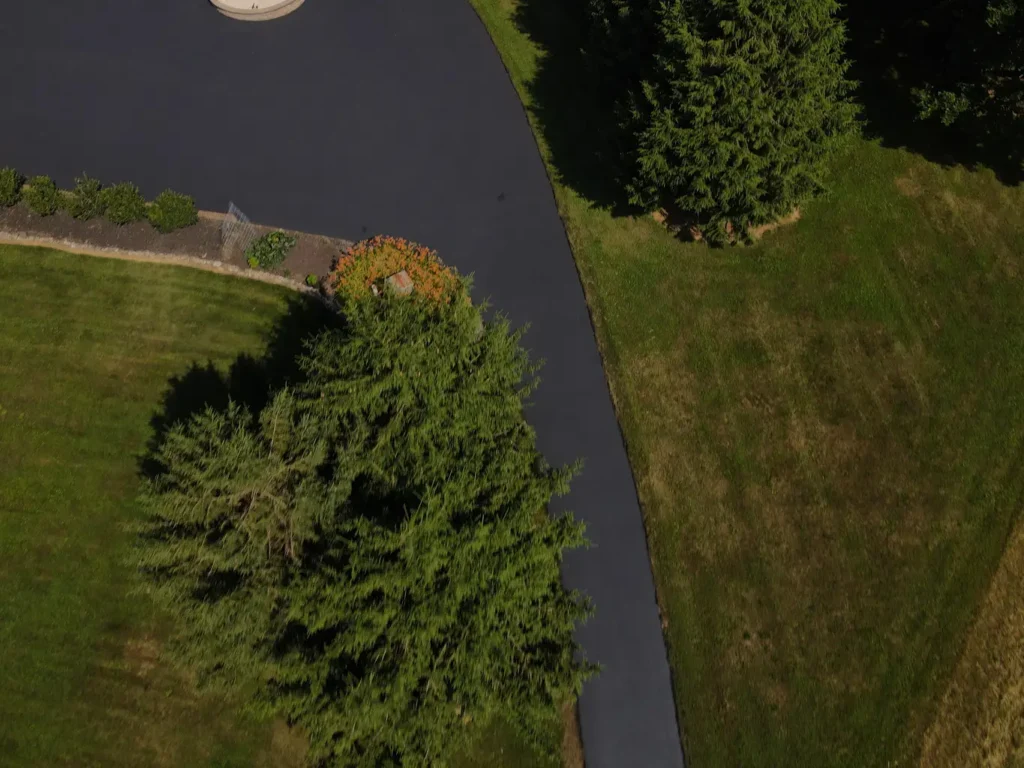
x: 981, y: 718
x: 87, y: 349
x: 827, y: 430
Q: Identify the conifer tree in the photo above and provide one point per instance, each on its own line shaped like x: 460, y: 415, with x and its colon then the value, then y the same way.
x: 374, y: 547
x: 740, y: 105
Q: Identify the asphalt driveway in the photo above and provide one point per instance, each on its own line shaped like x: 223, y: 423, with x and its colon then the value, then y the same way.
x: 351, y: 118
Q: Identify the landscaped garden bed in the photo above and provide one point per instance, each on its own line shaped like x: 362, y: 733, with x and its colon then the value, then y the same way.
x: 312, y: 254
x: 117, y: 218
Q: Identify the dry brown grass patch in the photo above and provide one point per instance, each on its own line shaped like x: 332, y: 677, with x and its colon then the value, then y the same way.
x: 572, y: 742
x: 141, y: 655
x: 287, y: 745
x: 908, y: 185
x: 790, y: 218
x: 669, y: 401
x: 685, y: 226
x: 980, y: 722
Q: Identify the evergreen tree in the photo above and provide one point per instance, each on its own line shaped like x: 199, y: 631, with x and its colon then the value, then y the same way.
x: 977, y: 80
x: 227, y: 517
x: 375, y: 546
x: 740, y: 106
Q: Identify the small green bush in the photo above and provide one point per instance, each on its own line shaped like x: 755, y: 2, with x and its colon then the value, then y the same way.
x: 269, y: 251
x: 86, y: 200
x: 10, y: 186
x: 41, y: 195
x: 171, y: 211
x: 312, y: 281
x: 124, y: 203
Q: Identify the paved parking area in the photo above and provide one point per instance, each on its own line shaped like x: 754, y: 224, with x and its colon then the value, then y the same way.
x: 351, y: 118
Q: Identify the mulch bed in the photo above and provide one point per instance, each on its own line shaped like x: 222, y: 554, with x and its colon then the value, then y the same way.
x: 312, y: 254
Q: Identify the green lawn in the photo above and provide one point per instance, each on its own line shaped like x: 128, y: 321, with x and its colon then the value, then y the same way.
x: 827, y: 429
x: 86, y: 351
x: 87, y: 348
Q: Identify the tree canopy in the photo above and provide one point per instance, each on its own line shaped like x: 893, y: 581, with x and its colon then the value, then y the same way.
x: 976, y: 81
x: 373, y: 548
x: 735, y: 105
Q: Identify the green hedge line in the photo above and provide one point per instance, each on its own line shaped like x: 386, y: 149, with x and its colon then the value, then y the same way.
x: 121, y: 203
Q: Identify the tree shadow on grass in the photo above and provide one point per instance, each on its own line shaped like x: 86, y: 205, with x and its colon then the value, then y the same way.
x: 249, y: 381
x: 574, y: 104
x: 895, y: 51
x: 574, y: 96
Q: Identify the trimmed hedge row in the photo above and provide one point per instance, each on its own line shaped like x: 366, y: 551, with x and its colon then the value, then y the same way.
x: 121, y: 203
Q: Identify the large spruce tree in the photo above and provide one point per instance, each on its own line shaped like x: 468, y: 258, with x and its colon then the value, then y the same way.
x: 738, y: 107
x: 373, y: 549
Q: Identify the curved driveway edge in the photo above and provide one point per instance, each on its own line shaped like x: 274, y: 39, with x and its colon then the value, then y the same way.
x: 351, y: 118
x: 627, y: 714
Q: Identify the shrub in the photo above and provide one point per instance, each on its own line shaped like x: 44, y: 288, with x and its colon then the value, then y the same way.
x: 269, y: 250
x: 312, y: 280
x: 171, y: 211
x: 124, y: 203
x: 370, y: 262
x: 10, y: 186
x: 42, y: 195
x: 86, y: 200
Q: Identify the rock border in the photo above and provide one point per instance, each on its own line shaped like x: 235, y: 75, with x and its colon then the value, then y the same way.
x: 156, y: 257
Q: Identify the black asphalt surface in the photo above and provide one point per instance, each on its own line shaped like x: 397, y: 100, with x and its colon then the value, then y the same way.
x: 351, y: 118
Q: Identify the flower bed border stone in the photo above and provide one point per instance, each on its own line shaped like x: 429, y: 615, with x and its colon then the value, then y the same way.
x: 13, y: 236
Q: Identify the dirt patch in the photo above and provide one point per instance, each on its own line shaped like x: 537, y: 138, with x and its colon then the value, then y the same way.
x: 141, y: 655
x: 686, y: 227
x: 288, y: 745
x: 312, y: 254
x: 790, y: 218
x: 678, y: 223
x: 980, y: 721
x: 572, y: 742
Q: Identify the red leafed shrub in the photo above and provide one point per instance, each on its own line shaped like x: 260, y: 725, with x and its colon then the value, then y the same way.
x: 369, y: 263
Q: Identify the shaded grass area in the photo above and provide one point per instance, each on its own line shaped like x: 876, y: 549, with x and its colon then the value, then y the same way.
x: 827, y: 428
x: 499, y: 745
x: 97, y: 357
x: 899, y: 47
